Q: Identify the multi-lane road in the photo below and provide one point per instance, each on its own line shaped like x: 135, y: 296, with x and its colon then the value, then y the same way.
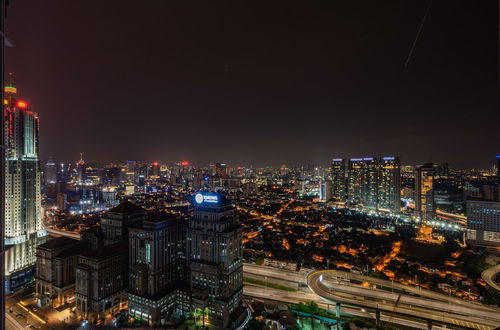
x: 406, y: 304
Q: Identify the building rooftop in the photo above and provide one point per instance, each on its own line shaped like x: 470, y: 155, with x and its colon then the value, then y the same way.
x: 107, y: 251
x: 127, y: 207
x: 58, y: 243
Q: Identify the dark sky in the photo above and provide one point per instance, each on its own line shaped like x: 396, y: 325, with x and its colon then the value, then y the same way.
x: 259, y: 82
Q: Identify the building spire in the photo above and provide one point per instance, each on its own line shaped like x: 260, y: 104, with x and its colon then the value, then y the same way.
x: 9, y: 88
x: 81, y: 161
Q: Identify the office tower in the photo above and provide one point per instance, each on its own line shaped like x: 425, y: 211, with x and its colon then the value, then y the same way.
x: 339, y: 190
x: 156, y: 259
x: 389, y: 184
x: 498, y: 166
x: 2, y: 165
x: 369, y: 184
x: 154, y: 171
x: 221, y: 170
x: 101, y: 282
x: 55, y: 270
x: 424, y: 192
x: 80, y: 170
x: 115, y: 224
x: 50, y: 171
x: 483, y: 223
x: 102, y: 274
x: 354, y: 180
x: 325, y: 190
x: 50, y: 179
x: 23, y: 226
x: 214, y: 251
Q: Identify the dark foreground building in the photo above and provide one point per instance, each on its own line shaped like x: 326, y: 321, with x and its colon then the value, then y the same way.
x: 155, y: 266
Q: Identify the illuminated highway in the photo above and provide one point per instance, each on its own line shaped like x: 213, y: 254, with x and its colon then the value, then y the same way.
x: 439, y: 308
x: 335, y: 287
x: 56, y: 233
x: 489, y: 276
x: 297, y: 297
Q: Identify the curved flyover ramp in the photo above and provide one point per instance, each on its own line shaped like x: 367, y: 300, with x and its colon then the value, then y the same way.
x: 424, y: 304
x: 489, y: 276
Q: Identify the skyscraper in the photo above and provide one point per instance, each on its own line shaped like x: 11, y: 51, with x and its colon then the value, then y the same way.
x: 80, y: 170
x: 156, y: 259
x: 369, y: 185
x: 2, y: 165
x: 214, y: 250
x: 23, y: 226
x: 325, y: 190
x: 424, y: 192
x: 339, y: 180
x: 354, y: 180
x: 498, y: 166
x: 50, y: 171
x: 389, y: 184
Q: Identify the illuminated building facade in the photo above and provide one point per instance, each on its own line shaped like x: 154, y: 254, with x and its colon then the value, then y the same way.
x: 339, y: 190
x: 424, y: 192
x: 214, y: 252
x: 354, y: 180
x: 221, y: 170
x: 498, y: 166
x: 483, y: 223
x: 369, y: 185
x: 81, y: 170
x: 55, y: 270
x: 371, y: 182
x: 50, y: 171
x: 325, y: 190
x: 23, y: 226
x: 389, y: 184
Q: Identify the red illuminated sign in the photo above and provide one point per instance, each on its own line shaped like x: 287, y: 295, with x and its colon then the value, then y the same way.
x: 184, y: 163
x: 22, y: 104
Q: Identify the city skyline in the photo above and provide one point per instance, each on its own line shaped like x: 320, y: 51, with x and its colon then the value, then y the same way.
x: 223, y: 72
x: 248, y: 165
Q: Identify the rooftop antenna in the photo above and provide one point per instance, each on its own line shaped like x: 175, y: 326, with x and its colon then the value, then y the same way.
x: 429, y: 5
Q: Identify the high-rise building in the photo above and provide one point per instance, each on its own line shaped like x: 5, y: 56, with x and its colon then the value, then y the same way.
x: 157, y: 266
x: 325, y: 190
x: 23, y: 225
x: 483, y: 223
x: 498, y: 166
x: 369, y: 184
x: 425, y: 206
x: 101, y: 282
x: 354, y: 180
x: 2, y: 165
x: 338, y: 174
x: 154, y: 170
x: 50, y: 171
x: 214, y: 251
x: 389, y: 184
x: 81, y: 170
x: 221, y: 170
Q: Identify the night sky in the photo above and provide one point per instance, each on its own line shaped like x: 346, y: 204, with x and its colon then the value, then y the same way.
x: 259, y: 82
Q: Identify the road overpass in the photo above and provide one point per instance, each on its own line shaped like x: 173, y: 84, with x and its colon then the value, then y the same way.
x: 429, y: 306
x: 490, y: 275
x: 58, y: 233
x: 406, y: 303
